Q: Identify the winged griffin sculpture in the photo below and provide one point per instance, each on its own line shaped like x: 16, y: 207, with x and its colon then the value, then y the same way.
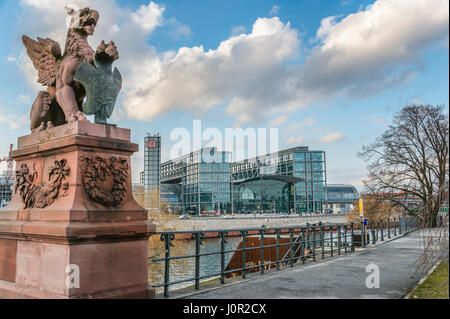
x: 62, y: 102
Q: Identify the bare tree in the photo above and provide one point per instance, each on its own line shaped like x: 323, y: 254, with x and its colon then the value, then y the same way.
x: 411, y: 157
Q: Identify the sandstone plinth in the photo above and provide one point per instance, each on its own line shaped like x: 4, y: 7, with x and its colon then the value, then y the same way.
x: 73, y: 205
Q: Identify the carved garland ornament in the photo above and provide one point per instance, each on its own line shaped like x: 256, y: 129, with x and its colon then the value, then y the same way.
x: 40, y: 196
x: 104, y: 179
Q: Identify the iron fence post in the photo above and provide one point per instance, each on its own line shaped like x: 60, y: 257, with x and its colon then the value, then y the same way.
x: 291, y: 251
x: 278, y: 248
x: 381, y: 229
x: 331, y: 239
x: 322, y: 234
x: 373, y: 232
x: 339, y: 239
x: 314, y: 241
x: 167, y: 238
x: 352, y: 233
x: 261, y: 233
x: 345, y: 239
x: 222, y: 256
x: 399, y: 225
x: 244, y: 244
x: 308, y: 237
x: 303, y: 246
x: 395, y: 228
x: 389, y: 228
x: 363, y: 235
x: 198, y: 236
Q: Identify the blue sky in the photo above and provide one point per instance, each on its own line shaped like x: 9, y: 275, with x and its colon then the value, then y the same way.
x: 328, y: 74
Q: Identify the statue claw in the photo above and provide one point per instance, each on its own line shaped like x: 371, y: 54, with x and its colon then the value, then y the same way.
x: 50, y: 124
x: 81, y: 117
x: 71, y: 118
x: 41, y: 127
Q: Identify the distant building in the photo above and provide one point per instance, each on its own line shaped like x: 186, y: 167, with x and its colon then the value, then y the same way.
x: 341, y: 198
x: 205, y: 181
x: 6, y: 186
x: 151, y: 176
x: 199, y: 182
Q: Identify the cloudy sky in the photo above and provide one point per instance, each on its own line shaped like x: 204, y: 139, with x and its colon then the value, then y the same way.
x: 327, y: 74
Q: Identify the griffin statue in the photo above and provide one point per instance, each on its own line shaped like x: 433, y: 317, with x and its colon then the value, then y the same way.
x: 62, y: 102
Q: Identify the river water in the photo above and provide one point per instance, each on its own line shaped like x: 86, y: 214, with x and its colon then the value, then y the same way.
x: 181, y: 269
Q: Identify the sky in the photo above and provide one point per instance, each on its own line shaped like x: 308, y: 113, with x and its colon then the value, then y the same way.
x: 329, y: 75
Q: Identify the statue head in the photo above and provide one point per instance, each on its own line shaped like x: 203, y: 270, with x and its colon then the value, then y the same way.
x: 83, y: 20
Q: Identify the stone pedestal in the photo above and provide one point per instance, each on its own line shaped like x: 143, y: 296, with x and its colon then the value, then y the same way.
x: 73, y: 209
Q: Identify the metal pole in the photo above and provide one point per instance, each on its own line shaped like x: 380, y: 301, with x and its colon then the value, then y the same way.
x: 314, y: 241
x: 381, y: 229
x: 395, y: 228
x: 389, y: 228
x: 278, y: 248
x: 322, y: 234
x: 331, y: 239
x: 291, y: 252
x: 167, y: 243
x: 261, y: 232
x: 352, y: 232
x: 302, y: 246
x: 222, y: 256
x: 244, y: 243
x: 345, y: 238
x: 372, y: 225
x: 197, y: 237
x: 363, y: 235
x: 339, y: 239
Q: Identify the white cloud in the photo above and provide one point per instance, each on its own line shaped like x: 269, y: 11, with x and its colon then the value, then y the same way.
x: 358, y: 55
x: 253, y: 74
x: 13, y: 120
x: 178, y: 29
x: 233, y: 74
x: 279, y: 121
x: 148, y: 17
x: 238, y: 30
x: 296, y: 140
x: 24, y: 99
x: 296, y: 126
x: 275, y: 9
x: 331, y: 138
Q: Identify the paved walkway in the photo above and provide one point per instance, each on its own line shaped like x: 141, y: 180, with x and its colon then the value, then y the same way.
x: 342, y: 277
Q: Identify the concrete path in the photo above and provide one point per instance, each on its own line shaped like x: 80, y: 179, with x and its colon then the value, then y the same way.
x: 342, y: 277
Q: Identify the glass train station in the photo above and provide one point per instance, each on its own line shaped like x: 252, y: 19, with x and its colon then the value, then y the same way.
x: 291, y: 181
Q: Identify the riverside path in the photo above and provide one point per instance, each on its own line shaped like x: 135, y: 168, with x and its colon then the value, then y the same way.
x: 341, y: 277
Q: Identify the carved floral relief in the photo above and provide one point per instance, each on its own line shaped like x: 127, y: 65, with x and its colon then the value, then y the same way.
x: 40, y: 196
x: 104, y: 179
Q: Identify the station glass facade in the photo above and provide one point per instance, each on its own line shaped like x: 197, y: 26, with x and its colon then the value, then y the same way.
x: 293, y: 180
x: 204, y: 179
x: 341, y: 198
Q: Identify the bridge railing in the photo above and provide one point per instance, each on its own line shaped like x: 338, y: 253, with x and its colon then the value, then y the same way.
x: 259, y: 249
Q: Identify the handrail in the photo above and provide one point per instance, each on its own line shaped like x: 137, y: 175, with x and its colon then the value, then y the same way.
x: 309, y: 238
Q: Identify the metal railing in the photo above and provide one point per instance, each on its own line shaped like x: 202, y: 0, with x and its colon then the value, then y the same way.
x: 301, y: 243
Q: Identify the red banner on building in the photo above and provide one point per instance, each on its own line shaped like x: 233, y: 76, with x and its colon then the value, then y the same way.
x: 150, y: 144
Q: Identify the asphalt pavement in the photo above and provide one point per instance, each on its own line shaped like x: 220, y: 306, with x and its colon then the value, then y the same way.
x: 342, y: 277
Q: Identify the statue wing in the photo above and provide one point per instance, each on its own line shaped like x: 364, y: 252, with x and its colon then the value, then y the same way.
x: 46, y: 57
